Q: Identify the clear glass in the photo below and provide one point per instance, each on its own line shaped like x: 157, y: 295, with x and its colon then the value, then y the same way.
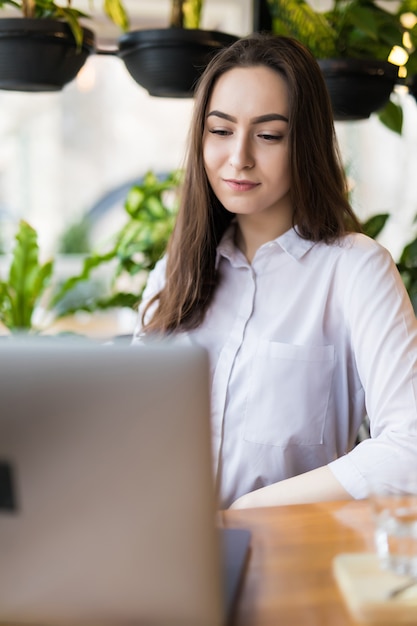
x: 395, y: 516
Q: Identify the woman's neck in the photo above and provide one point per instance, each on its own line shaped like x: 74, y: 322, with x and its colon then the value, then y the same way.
x: 252, y: 232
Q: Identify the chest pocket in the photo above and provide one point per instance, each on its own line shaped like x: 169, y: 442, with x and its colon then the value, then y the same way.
x: 288, y: 394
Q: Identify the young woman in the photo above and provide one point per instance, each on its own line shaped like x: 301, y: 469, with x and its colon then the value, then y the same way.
x: 306, y: 321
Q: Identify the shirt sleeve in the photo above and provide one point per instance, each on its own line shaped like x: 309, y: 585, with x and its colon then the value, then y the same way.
x: 383, y: 330
x: 155, y: 283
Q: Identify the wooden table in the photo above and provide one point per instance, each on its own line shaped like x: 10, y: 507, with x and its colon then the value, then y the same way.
x: 289, y: 580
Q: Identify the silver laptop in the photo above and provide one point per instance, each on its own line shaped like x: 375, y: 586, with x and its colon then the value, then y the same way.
x: 107, y: 508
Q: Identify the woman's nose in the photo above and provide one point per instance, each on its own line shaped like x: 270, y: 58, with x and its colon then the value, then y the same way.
x: 241, y: 156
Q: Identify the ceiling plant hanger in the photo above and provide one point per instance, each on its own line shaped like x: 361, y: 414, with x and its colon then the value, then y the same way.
x: 43, y: 45
x: 353, y: 42
x: 168, y: 61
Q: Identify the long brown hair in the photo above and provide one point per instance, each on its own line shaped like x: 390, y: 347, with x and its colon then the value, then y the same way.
x: 321, y: 209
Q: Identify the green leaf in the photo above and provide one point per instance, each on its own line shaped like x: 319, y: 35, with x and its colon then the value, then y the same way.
x: 27, y: 282
x: 121, y: 299
x: 115, y: 10
x: 72, y: 16
x: 408, y: 257
x: 134, y: 200
x: 375, y: 225
x: 192, y: 13
x: 364, y: 19
x: 9, y: 3
x: 298, y: 19
x: 90, y: 263
x: 5, y: 305
x: 350, y: 28
x: 392, y: 117
x: 411, y: 64
x: 135, y: 248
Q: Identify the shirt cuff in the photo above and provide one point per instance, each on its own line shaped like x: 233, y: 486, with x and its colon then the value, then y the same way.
x: 349, y: 477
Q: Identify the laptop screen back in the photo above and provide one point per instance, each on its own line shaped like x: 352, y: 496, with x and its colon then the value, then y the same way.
x: 106, y: 499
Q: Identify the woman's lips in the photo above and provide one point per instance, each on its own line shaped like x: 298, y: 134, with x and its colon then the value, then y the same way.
x: 240, y: 185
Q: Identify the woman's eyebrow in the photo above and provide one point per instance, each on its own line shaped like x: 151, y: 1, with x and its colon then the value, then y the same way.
x: 268, y: 117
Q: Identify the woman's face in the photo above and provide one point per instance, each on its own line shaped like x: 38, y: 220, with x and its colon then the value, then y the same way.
x: 246, y: 144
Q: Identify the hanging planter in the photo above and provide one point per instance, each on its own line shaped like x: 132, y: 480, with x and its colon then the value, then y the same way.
x: 352, y: 41
x: 358, y: 87
x: 167, y: 62
x: 40, y: 54
x: 45, y: 48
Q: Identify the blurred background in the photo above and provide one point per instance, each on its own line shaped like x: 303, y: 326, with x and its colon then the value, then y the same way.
x: 68, y: 154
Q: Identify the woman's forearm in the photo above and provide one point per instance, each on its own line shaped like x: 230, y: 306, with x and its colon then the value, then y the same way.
x: 314, y: 486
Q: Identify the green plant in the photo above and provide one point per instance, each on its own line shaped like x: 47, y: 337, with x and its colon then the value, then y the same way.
x: 27, y: 282
x: 133, y: 252
x: 407, y: 263
x: 375, y: 224
x: 186, y: 13
x: 407, y: 266
x: 351, y: 28
x: 150, y: 207
x: 409, y: 16
x: 358, y: 29
x: 41, y: 9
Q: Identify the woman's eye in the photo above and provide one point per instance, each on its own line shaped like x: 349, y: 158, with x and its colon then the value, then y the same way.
x: 220, y: 131
x: 270, y: 137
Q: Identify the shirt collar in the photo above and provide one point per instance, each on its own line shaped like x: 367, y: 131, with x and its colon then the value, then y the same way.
x: 290, y: 242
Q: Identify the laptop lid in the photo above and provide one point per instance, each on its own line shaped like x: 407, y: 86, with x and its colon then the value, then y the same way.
x: 107, y: 509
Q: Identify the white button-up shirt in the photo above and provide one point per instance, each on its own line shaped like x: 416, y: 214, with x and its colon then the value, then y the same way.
x: 303, y: 343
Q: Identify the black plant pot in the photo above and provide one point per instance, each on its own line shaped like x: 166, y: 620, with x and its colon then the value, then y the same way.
x: 40, y: 54
x: 167, y: 62
x: 358, y: 87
